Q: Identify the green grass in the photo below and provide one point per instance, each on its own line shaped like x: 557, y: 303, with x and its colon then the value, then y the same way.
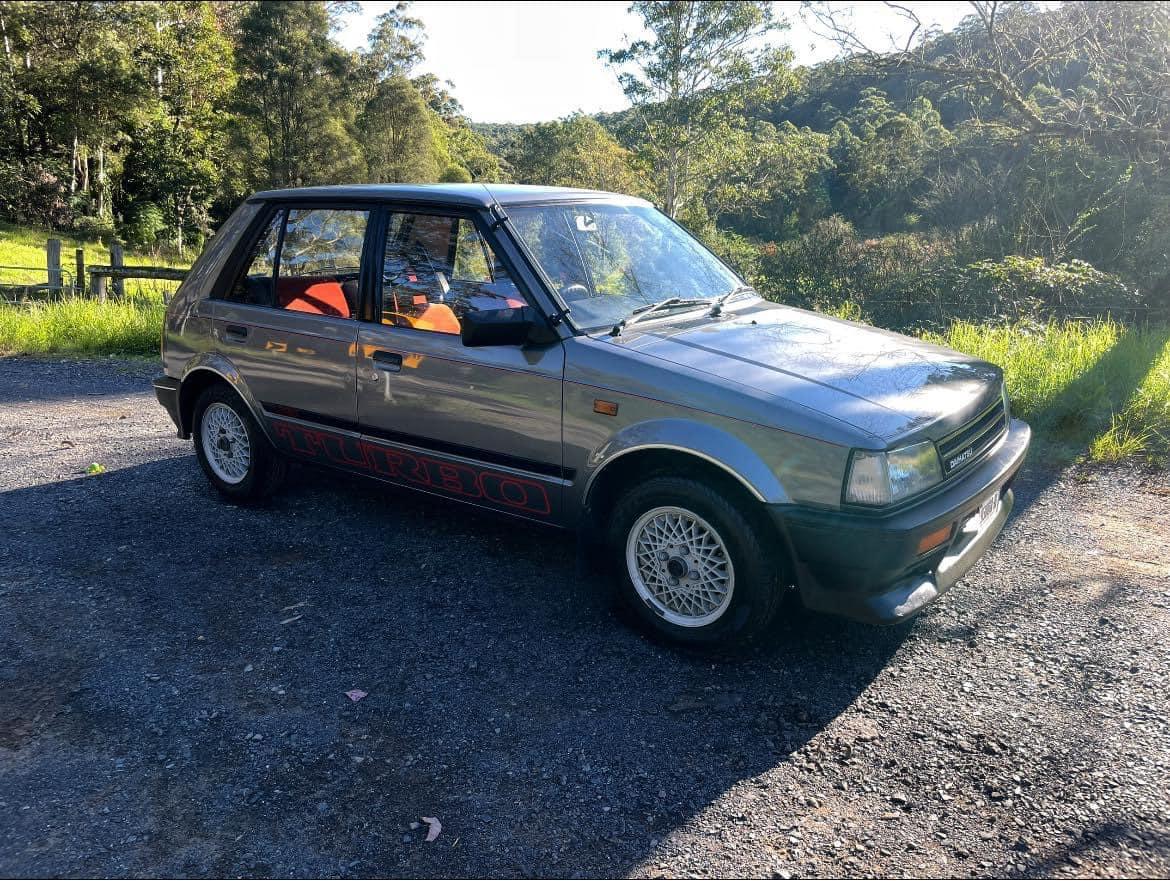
x: 82, y: 327
x: 25, y: 246
x: 1096, y: 390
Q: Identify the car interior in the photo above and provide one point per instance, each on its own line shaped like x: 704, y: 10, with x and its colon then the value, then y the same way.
x: 436, y: 269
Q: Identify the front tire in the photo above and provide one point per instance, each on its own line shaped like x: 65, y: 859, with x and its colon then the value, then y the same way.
x: 235, y: 455
x: 692, y: 564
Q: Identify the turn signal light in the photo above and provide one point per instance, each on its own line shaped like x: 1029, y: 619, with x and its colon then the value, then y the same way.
x: 605, y: 408
x: 932, y: 540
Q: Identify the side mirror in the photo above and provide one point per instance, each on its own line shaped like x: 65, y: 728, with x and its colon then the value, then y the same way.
x: 499, y: 327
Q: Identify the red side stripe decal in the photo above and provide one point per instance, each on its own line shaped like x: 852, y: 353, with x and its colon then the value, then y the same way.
x: 399, y: 466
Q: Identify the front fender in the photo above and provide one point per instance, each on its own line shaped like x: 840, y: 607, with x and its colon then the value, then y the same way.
x: 221, y: 366
x: 707, y: 442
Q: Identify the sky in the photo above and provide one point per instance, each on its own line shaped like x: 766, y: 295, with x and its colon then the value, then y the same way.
x: 535, y: 61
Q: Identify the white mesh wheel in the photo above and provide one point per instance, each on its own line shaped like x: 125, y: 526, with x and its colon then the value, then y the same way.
x: 680, y: 566
x: 225, y: 443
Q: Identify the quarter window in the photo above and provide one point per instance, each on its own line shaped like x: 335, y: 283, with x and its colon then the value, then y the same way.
x: 255, y: 286
x: 436, y: 269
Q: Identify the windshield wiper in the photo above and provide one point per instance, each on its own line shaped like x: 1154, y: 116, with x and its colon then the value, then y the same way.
x: 650, y: 308
x: 717, y: 306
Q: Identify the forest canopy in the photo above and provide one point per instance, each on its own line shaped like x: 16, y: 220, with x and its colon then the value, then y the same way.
x: 1015, y: 163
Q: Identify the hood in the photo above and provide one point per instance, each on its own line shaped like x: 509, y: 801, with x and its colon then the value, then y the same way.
x: 883, y: 383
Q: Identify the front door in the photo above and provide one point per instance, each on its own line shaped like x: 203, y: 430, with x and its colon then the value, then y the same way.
x: 479, y: 424
x: 289, y: 322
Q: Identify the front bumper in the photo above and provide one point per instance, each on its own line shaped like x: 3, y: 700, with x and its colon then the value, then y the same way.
x: 166, y: 390
x: 867, y: 566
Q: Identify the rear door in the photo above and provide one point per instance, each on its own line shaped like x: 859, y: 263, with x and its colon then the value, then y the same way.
x: 289, y: 321
x: 479, y: 424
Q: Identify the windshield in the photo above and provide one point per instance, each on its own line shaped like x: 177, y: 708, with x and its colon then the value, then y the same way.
x: 608, y: 260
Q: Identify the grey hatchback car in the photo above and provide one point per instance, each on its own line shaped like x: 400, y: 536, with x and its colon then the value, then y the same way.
x: 578, y: 359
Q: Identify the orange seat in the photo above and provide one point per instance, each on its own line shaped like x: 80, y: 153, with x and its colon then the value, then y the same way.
x: 437, y: 317
x: 307, y: 295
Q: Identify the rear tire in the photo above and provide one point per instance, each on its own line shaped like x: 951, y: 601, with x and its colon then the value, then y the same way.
x: 692, y: 564
x: 233, y: 452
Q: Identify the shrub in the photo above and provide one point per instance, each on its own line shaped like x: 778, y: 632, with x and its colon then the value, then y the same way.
x: 895, y: 281
x: 912, y: 281
x: 35, y: 192
x: 145, y: 225
x: 1028, y: 288
x: 455, y: 174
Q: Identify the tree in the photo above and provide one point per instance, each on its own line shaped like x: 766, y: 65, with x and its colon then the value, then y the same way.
x: 395, y: 44
x: 1087, y: 70
x: 294, y: 100
x: 469, y: 151
x: 75, y: 88
x: 176, y: 166
x: 575, y: 152
x: 691, y: 85
x: 882, y: 156
x: 397, y: 136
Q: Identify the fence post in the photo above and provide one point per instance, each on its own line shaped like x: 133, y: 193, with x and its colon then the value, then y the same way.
x: 79, y: 278
x: 53, y: 263
x: 116, y: 263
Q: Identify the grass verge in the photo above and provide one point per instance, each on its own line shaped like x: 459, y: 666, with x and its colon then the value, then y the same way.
x: 82, y: 327
x: 1094, y: 389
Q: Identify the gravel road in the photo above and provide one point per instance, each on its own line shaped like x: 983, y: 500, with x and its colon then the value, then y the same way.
x: 174, y: 673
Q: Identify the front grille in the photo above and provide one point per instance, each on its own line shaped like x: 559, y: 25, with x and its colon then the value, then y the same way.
x: 969, y: 443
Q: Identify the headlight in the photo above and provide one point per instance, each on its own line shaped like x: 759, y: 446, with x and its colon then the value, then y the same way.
x: 884, y: 478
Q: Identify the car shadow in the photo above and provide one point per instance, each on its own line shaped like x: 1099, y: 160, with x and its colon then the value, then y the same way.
x: 176, y: 678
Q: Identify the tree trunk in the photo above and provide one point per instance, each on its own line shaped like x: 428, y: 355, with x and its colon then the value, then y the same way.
x: 101, y: 181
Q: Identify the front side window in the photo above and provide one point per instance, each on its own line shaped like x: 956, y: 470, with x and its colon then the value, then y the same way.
x: 436, y: 269
x: 607, y: 260
x: 306, y: 260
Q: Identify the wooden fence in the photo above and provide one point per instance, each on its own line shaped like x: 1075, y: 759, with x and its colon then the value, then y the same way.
x: 96, y: 281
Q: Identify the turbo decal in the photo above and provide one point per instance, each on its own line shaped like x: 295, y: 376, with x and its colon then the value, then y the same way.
x: 412, y: 469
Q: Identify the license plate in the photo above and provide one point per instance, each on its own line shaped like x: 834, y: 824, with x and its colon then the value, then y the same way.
x: 987, y: 510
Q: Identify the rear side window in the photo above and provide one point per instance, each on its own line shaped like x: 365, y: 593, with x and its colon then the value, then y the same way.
x: 307, y: 260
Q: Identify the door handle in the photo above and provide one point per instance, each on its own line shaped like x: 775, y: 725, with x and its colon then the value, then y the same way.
x: 236, y: 332
x: 390, y: 362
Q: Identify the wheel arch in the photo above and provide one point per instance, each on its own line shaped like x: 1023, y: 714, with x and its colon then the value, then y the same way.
x: 681, y: 447
x: 203, y: 373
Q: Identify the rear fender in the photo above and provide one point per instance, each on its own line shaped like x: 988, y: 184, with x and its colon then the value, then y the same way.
x: 217, y: 364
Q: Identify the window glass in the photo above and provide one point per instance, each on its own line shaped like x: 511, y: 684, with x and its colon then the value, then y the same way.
x: 436, y: 269
x: 255, y: 286
x: 320, y: 261
x: 471, y: 262
x: 609, y: 259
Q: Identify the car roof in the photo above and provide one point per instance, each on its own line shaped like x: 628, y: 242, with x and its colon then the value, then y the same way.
x: 467, y: 195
